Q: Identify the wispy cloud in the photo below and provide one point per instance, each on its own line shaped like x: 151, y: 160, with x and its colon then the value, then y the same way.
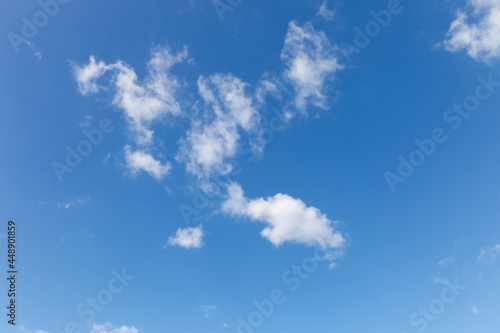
x: 208, y: 309
x: 324, y: 12
x: 446, y: 261
x: 108, y: 328
x: 86, y: 122
x: 143, y: 102
x: 225, y: 110
x: 215, y: 136
x: 311, y: 62
x: 489, y: 254
x: 78, y: 201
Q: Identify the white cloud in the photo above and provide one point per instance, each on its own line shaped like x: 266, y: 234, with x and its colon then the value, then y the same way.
x: 446, y: 261
x: 475, y: 310
x: 24, y: 330
x: 187, y: 238
x: 78, y: 201
x: 207, y: 309
x: 106, y: 158
x: 288, y: 219
x: 324, y: 12
x: 268, y: 85
x: 214, y: 138
x: 476, y: 30
x: 108, y: 328
x: 140, y: 160
x: 86, y: 122
x: 489, y: 254
x: 142, y: 102
x: 311, y: 60
x: 439, y: 280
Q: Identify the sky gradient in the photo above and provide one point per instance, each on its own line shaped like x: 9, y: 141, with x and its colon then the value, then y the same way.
x: 251, y: 166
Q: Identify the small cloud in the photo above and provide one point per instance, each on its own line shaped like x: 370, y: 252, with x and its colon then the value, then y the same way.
x: 168, y: 190
x: 446, y: 261
x: 207, y: 309
x: 324, y: 12
x: 74, y: 203
x: 489, y: 254
x: 106, y: 158
x: 141, y: 160
x: 24, y: 330
x: 332, y: 265
x: 86, y: 122
x: 187, y: 238
x: 438, y: 280
x: 475, y: 310
x: 39, y: 56
x: 108, y: 328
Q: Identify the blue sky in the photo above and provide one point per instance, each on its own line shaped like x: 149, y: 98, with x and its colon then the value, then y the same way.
x: 251, y: 166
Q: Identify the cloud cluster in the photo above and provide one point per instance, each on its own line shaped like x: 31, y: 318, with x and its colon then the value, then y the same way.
x: 213, y: 138
x: 287, y: 219
x: 143, y: 102
x: 224, y: 111
x: 187, y: 238
x: 476, y: 30
x: 311, y: 62
x: 226, y: 108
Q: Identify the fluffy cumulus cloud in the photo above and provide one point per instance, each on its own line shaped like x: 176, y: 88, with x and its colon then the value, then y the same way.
x: 287, y: 219
x: 187, y: 238
x: 108, y: 328
x: 142, y: 161
x: 489, y: 254
x: 476, y: 30
x: 311, y: 62
x: 227, y: 110
x: 143, y: 102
